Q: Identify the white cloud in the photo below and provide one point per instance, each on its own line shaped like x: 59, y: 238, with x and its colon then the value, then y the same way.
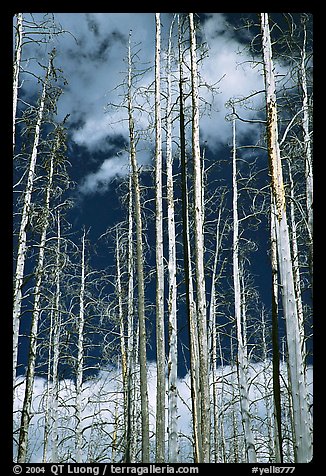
x: 96, y: 65
x: 229, y: 63
x: 99, y: 180
x: 222, y: 62
x: 102, y: 409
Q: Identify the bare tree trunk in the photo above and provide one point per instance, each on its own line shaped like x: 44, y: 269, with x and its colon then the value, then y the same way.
x: 56, y: 348
x: 222, y: 396
x: 307, y: 142
x: 269, y: 404
x: 212, y: 339
x: 241, y: 336
x: 18, y: 53
x: 173, y: 442
x: 140, y: 277
x: 301, y: 414
x: 190, y: 304
x: 296, y: 267
x: 25, y: 420
x: 124, y: 359
x: 199, y: 254
x: 47, y: 409
x: 22, y: 237
x: 160, y: 338
x: 80, y: 356
x: 275, y: 345
x: 51, y: 424
x: 236, y: 438
x: 130, y: 423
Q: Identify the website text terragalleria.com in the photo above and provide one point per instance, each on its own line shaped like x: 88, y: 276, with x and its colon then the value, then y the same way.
x: 56, y: 469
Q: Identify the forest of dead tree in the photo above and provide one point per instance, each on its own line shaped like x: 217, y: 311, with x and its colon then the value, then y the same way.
x: 193, y: 342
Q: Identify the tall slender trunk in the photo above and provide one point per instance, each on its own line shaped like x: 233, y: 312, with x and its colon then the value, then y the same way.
x: 301, y: 413
x: 296, y: 267
x: 123, y: 351
x: 270, y: 418
x: 80, y: 356
x: 307, y: 142
x: 47, y: 409
x: 201, y: 317
x: 140, y: 275
x: 18, y: 53
x: 56, y: 347
x: 275, y: 345
x: 190, y: 304
x: 51, y: 423
x: 222, y: 397
x: 212, y: 339
x: 130, y: 423
x: 25, y: 420
x: 173, y: 442
x: 22, y: 236
x: 241, y: 333
x: 235, y: 439
x: 160, y: 338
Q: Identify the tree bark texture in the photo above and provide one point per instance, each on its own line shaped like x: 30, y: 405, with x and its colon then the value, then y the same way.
x: 140, y: 277
x: 201, y: 317
x: 160, y: 338
x: 22, y: 236
x: 301, y: 414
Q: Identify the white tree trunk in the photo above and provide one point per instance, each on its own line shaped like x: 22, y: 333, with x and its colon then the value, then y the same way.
x: 190, y: 303
x: 199, y: 253
x: 212, y: 339
x: 160, y: 338
x: 56, y: 348
x: 51, y: 413
x: 140, y: 275
x: 80, y: 356
x: 18, y: 53
x: 22, y: 236
x: 26, y: 417
x: 222, y: 396
x: 124, y: 358
x: 275, y: 342
x: 307, y: 139
x: 270, y: 420
x: 241, y: 337
x: 301, y: 414
x: 173, y: 441
x: 296, y: 267
x: 131, y: 433
x: 47, y: 409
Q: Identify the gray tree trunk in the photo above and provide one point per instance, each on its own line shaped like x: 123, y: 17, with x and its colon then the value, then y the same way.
x: 307, y: 142
x: 160, y: 338
x: 131, y: 433
x: 140, y: 274
x: 241, y: 336
x: 301, y: 413
x: 275, y: 345
x: 80, y: 356
x: 51, y: 423
x: 18, y: 53
x: 22, y: 237
x: 123, y: 351
x: 201, y: 316
x: 192, y: 327
x: 26, y: 410
x: 173, y: 441
x: 296, y: 267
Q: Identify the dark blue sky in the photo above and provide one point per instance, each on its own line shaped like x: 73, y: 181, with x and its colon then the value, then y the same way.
x: 97, y: 137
